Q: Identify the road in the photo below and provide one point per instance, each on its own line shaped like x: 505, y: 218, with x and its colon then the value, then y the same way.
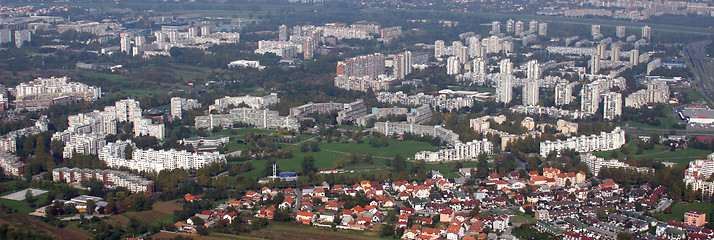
x: 662, y: 205
x: 696, y: 54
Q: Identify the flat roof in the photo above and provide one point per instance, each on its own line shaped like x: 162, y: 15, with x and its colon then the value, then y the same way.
x: 698, y: 113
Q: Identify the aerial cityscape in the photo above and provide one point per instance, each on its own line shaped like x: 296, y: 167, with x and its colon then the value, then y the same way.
x: 357, y: 119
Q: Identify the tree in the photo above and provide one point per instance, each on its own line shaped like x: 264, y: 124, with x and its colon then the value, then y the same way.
x: 128, y: 152
x: 624, y: 236
x: 28, y: 196
x: 386, y: 230
x: 315, y: 146
x: 304, y: 147
x: 91, y: 205
x: 308, y: 165
x: 337, y: 164
x: 482, y: 166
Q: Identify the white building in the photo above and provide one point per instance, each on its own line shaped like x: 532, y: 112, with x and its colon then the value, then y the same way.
x: 453, y: 66
x: 11, y: 164
x: 563, y: 93
x: 150, y: 160
x: 49, y: 88
x: 698, y: 174
x: 596, y: 163
x: 460, y: 152
x: 252, y: 102
x: 178, y: 105
x: 656, y: 92
x: 533, y: 69
x: 22, y: 37
x: 612, y: 105
x: 110, y: 178
x: 145, y: 127
x: 439, y: 48
x: 83, y: 144
x: 531, y: 92
x: 593, y: 143
x: 504, y: 88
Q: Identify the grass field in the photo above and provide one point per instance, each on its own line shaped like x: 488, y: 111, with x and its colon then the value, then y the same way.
x: 24, y: 207
x: 330, y: 152
x: 658, y: 153
x: 161, y: 212
x: 24, y: 222
x: 678, y: 210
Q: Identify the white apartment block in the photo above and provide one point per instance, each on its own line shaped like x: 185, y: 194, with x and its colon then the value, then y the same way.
x: 389, y: 128
x: 402, y: 65
x: 260, y: 118
x: 533, y: 70
x: 361, y: 73
x: 460, y: 152
x: 698, y: 173
x: 151, y: 160
x: 83, y: 144
x: 8, y: 142
x: 439, y: 48
x: 549, y: 111
x: 504, y: 88
x: 11, y: 164
x: 49, y: 88
x: 656, y: 92
x: 563, y: 93
x: 178, y: 105
x: 5, y: 36
x: 22, y: 37
x: 420, y: 115
x: 596, y: 163
x: 589, y: 98
x: 351, y: 111
x: 145, y: 127
x: 252, y: 102
x: 440, y: 102
x: 125, y: 110
x: 304, y: 110
x: 453, y: 66
x: 531, y: 92
x: 344, y: 32
x: 110, y: 178
x: 593, y: 143
x: 612, y: 105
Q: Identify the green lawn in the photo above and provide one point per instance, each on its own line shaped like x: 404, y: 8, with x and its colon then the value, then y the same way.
x: 330, y: 152
x: 24, y: 207
x: 678, y: 210
x: 658, y: 153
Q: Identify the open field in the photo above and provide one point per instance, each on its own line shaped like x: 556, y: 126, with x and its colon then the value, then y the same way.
x: 290, y: 231
x: 161, y: 212
x: 22, y: 206
x: 678, y: 210
x: 24, y: 222
x: 330, y: 152
x: 658, y: 153
x: 20, y: 195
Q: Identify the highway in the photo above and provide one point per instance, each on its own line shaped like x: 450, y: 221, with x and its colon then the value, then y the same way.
x: 700, y: 65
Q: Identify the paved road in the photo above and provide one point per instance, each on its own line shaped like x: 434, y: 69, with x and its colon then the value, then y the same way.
x: 701, y: 68
x: 662, y: 205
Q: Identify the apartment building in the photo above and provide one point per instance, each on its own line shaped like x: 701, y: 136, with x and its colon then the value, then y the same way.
x: 656, y: 92
x: 603, y: 142
x: 563, y: 93
x: 252, y: 102
x: 145, y: 127
x: 612, y: 105
x: 351, y: 112
x: 11, y: 164
x: 549, y: 111
x: 44, y: 92
x: 150, y: 160
x: 389, y: 128
x: 8, y: 142
x: 86, y: 144
x: 440, y: 102
x: 110, y: 178
x: 178, y: 105
x: 698, y: 173
x: 459, y: 152
x: 260, y: 118
x: 361, y: 73
x: 595, y: 164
